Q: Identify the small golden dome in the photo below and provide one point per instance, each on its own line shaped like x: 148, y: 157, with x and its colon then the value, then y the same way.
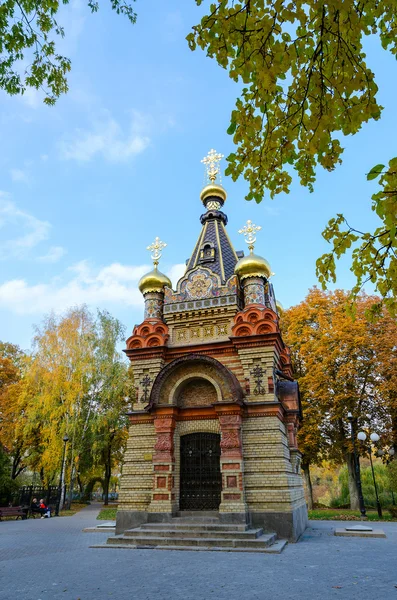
x: 252, y: 266
x: 280, y: 308
x: 213, y: 189
x: 155, y: 281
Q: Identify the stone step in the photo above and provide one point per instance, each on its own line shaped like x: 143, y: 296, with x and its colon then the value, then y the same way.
x: 202, y: 532
x: 141, y: 540
x: 172, y: 526
x: 275, y: 548
x: 196, y: 519
x: 198, y: 513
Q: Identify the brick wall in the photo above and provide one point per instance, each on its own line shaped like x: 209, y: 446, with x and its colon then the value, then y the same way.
x: 137, y: 474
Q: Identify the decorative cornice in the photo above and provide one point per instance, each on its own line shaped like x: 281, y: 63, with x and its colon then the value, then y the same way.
x: 151, y: 333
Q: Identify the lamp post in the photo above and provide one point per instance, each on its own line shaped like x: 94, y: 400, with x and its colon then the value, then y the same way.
x: 362, y: 436
x: 61, y: 476
x: 357, y: 468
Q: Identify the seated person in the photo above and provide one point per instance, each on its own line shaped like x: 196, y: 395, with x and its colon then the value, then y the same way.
x: 45, y: 508
x: 35, y: 507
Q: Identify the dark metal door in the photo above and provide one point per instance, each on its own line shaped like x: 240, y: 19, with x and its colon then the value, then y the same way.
x: 201, y: 481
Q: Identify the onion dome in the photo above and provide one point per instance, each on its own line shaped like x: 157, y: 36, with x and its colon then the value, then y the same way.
x: 280, y: 308
x: 213, y: 193
x: 155, y: 281
x: 252, y: 266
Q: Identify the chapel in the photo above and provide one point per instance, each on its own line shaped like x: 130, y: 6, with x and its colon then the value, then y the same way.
x: 213, y: 430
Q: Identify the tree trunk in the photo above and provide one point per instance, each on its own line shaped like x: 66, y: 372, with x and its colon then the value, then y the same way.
x: 108, y: 467
x: 17, y: 465
x: 309, y: 488
x: 108, y: 472
x: 353, y: 490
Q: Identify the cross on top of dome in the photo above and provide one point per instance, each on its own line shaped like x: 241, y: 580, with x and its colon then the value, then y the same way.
x: 211, y: 162
x: 249, y: 231
x: 156, y: 248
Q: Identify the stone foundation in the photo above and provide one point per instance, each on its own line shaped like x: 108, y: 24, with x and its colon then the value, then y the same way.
x: 287, y: 525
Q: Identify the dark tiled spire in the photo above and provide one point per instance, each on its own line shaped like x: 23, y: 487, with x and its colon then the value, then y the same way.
x: 213, y: 248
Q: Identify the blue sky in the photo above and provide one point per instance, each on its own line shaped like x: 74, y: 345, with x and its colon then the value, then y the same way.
x: 86, y: 185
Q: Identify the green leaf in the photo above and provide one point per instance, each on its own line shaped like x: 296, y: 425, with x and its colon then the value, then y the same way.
x: 375, y: 172
x: 232, y: 128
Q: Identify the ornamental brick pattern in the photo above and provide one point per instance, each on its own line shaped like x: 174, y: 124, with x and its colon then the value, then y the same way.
x: 209, y: 358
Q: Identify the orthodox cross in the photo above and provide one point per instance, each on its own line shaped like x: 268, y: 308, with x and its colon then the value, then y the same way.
x: 258, y: 373
x: 211, y: 162
x: 156, y: 248
x: 249, y: 231
x: 145, y: 383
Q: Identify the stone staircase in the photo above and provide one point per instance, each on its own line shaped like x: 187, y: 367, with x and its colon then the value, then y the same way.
x: 197, y: 533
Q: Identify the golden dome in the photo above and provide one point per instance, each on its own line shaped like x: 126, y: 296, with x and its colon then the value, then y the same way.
x: 280, y: 308
x: 252, y: 266
x: 155, y: 281
x: 213, y: 189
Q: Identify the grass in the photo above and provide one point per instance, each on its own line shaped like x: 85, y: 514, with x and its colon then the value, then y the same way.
x: 73, y: 510
x: 108, y: 513
x: 342, y: 514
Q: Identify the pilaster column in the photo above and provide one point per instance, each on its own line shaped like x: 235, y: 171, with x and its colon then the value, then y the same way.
x: 292, y: 431
x: 163, y: 494
x: 154, y: 302
x: 254, y: 291
x: 232, y: 496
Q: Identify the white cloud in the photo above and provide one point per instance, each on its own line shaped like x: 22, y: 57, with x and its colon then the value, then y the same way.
x: 29, y: 231
x: 176, y: 272
x: 54, y: 254
x: 18, y: 175
x: 114, y: 284
x: 107, y: 139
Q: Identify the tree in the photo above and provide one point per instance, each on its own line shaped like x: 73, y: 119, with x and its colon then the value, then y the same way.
x: 56, y: 389
x: 12, y: 365
x: 112, y: 390
x: 339, y: 370
x: 7, y: 484
x: 305, y: 82
x: 28, y: 33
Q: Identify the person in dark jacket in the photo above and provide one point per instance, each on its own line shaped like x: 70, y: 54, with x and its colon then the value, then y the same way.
x: 35, y: 508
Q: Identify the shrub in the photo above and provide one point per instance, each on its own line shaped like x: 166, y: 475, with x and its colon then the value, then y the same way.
x: 393, y: 511
x: 382, y: 480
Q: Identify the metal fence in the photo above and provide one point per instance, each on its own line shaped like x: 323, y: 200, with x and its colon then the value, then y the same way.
x: 25, y: 495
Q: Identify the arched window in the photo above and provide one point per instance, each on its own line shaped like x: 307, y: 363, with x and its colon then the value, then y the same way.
x: 207, y: 252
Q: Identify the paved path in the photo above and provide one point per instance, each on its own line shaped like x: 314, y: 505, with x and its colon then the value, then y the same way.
x: 50, y: 559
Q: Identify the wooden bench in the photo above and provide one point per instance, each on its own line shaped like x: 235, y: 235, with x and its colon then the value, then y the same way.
x: 12, y: 511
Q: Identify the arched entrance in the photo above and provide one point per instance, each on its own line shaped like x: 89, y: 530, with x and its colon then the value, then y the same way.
x: 200, y: 473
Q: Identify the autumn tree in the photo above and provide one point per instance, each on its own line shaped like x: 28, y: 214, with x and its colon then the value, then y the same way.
x: 13, y: 363
x: 339, y: 371
x: 55, y: 390
x: 304, y: 82
x: 76, y: 382
x: 384, y: 342
x: 111, y: 391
